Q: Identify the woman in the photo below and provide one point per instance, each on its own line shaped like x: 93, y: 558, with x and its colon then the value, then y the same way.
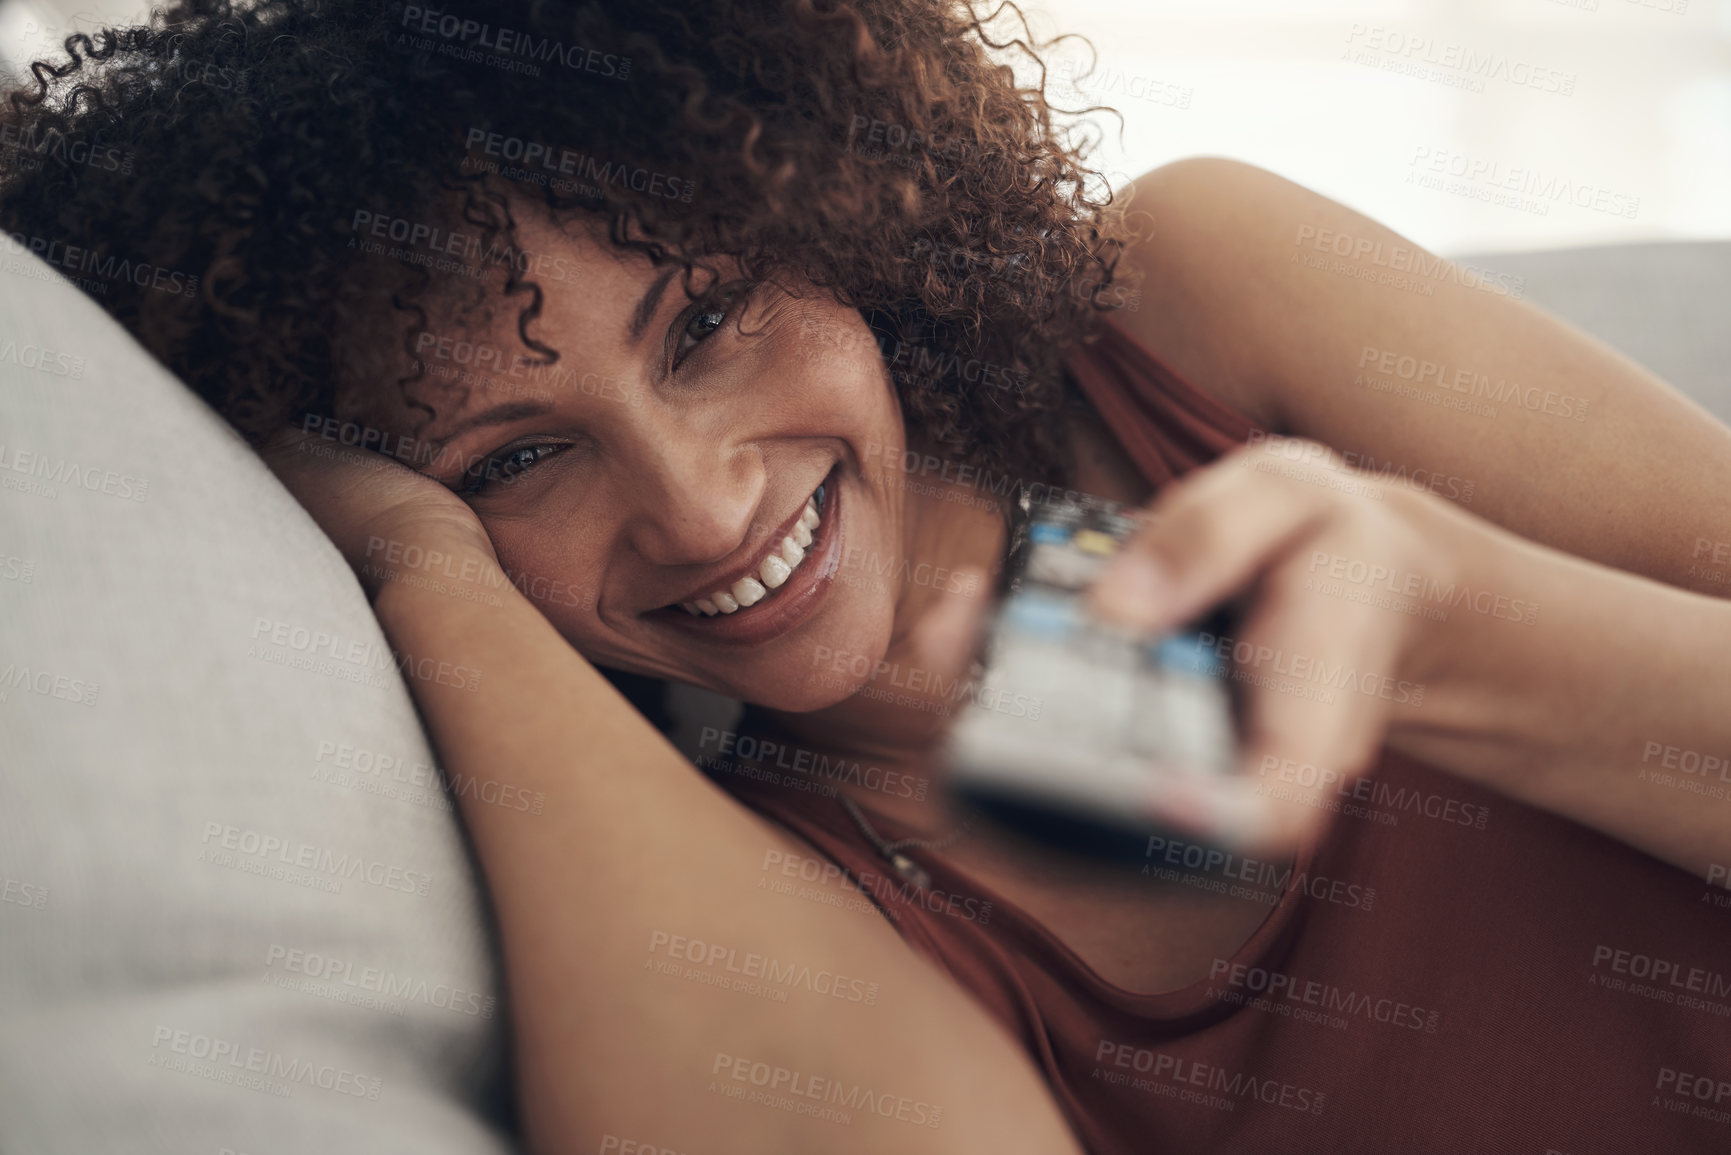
x: 606, y: 336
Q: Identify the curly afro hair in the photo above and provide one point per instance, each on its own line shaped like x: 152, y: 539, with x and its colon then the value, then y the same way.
x: 877, y: 148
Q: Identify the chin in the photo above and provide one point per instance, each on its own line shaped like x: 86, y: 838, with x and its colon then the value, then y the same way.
x: 795, y: 676
x: 802, y: 698
x: 816, y: 676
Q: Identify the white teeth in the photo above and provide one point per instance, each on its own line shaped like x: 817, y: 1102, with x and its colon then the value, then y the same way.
x: 771, y: 575
x: 774, y: 571
x: 748, y: 591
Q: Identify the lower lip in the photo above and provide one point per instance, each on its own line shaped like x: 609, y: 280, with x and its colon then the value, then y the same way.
x: 792, y: 604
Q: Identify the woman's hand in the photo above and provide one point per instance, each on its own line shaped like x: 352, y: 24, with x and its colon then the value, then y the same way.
x: 1348, y: 581
x: 1380, y: 615
x: 376, y: 509
x: 1329, y: 663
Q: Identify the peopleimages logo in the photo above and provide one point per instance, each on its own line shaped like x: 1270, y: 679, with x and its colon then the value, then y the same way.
x: 892, y: 895
x: 927, y: 689
x: 1457, y: 65
x: 42, y: 468
x: 751, y: 969
x: 1387, y: 472
x: 1282, y: 992
x: 1375, y: 576
x: 797, y: 1092
x: 763, y: 753
x: 1218, y: 870
x: 343, y: 977
x: 1501, y: 391
x: 350, y: 659
x: 1248, y: 661
x: 1174, y: 1071
x: 1659, y: 971
x: 223, y: 842
x: 1397, y: 266
x: 508, y: 45
x: 545, y: 159
x: 23, y: 894
x: 41, y: 359
x: 1074, y: 79
x: 67, y: 150
x: 48, y: 684
x: 225, y: 1061
x: 97, y: 263
x: 370, y: 226
x: 1523, y: 187
x: 1370, y: 790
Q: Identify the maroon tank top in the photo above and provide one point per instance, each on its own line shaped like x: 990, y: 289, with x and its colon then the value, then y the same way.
x: 1446, y: 970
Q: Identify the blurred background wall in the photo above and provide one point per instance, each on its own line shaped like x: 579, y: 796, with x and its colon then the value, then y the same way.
x: 1468, y: 125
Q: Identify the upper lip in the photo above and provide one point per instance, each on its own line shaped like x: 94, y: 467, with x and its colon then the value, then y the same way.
x: 769, y: 545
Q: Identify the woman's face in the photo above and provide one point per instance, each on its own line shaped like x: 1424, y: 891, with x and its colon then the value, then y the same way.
x: 665, y: 466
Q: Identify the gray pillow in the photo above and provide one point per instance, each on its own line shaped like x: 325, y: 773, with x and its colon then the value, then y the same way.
x: 1661, y: 304
x: 236, y: 910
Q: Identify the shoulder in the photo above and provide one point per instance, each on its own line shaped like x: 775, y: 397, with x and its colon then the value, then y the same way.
x: 1202, y: 183
x: 1209, y: 247
x: 1316, y: 321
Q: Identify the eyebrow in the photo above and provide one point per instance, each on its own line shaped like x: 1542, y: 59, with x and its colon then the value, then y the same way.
x: 499, y: 415
x: 646, y: 308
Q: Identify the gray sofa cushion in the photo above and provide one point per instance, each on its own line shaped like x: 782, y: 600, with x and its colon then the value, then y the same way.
x: 227, y: 922
x: 1663, y: 305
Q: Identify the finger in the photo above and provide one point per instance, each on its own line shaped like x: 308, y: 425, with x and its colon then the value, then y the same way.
x: 284, y: 449
x: 285, y: 439
x: 1233, y: 813
x: 1205, y: 539
x: 1320, y: 677
x: 311, y: 466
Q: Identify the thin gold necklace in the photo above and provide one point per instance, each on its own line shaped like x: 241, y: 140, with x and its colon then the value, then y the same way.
x: 891, y: 852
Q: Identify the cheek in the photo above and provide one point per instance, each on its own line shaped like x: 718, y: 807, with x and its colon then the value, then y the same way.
x: 557, y: 570
x: 841, y: 379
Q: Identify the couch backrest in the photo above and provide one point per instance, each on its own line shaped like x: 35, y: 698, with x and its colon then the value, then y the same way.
x: 236, y: 911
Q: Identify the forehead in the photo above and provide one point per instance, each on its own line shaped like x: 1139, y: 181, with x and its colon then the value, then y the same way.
x: 465, y: 348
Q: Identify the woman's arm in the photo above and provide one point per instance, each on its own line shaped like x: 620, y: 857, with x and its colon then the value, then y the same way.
x: 1608, y: 704
x: 631, y: 847
x: 1614, y: 709
x: 1314, y: 320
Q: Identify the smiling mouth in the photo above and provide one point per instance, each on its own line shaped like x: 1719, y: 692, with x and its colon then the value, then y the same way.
x: 771, y: 573
x: 784, y: 586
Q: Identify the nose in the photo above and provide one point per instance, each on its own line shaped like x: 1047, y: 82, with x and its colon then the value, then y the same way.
x: 693, y: 494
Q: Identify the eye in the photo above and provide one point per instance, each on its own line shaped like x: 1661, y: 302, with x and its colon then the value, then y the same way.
x: 503, y: 468
x: 703, y: 320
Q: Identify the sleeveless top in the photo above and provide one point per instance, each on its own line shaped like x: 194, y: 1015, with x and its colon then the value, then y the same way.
x: 1445, y: 970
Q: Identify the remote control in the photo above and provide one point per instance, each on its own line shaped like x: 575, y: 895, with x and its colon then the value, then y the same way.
x: 1127, y: 727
